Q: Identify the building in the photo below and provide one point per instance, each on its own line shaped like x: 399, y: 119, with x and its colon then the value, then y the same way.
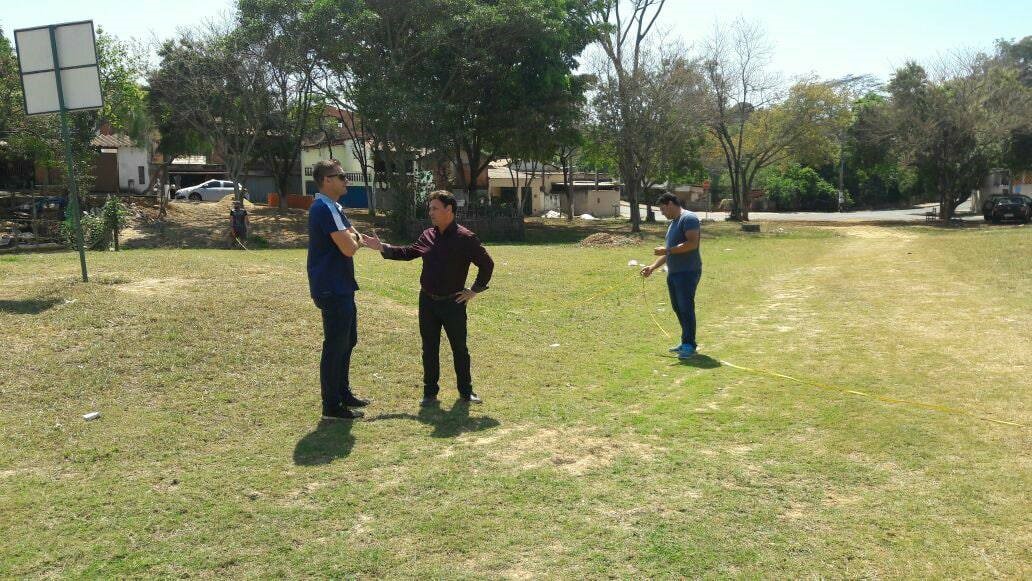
x: 543, y: 187
x: 1002, y: 181
x: 120, y: 166
x: 342, y: 139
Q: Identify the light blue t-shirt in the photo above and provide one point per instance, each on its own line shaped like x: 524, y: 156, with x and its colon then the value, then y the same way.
x: 676, y: 234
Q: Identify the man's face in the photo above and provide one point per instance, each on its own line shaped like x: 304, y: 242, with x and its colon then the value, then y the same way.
x: 334, y: 184
x: 670, y: 210
x: 440, y: 213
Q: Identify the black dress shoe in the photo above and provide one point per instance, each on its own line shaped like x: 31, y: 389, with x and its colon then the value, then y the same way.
x: 342, y: 414
x: 429, y: 402
x: 471, y: 398
x: 355, y: 402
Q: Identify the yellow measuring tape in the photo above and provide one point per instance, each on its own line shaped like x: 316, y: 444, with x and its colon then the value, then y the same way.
x: 644, y: 300
x: 886, y: 399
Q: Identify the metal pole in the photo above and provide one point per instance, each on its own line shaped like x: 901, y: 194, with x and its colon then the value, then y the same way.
x: 842, y: 170
x: 73, y: 190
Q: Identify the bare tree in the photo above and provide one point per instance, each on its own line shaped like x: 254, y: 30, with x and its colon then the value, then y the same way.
x: 756, y: 120
x: 625, y: 26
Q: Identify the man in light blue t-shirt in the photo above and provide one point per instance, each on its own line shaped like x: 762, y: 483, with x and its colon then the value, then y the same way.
x: 684, y: 263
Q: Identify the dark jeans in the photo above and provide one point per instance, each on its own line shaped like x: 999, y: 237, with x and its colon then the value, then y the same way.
x: 682, y: 286
x: 340, y: 335
x: 452, y: 316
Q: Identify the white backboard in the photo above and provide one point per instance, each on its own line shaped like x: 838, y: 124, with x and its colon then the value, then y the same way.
x: 76, y: 59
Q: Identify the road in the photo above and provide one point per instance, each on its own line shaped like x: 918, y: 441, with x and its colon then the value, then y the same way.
x: 915, y: 214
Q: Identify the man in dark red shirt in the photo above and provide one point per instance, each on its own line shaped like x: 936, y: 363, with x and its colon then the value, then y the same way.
x: 447, y: 250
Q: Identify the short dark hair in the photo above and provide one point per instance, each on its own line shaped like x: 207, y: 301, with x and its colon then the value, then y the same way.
x: 323, y: 168
x: 445, y: 197
x: 668, y: 198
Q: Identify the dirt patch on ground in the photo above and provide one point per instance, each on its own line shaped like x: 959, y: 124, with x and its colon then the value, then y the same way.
x: 874, y: 232
x: 154, y: 286
x: 608, y: 240
x: 575, y: 451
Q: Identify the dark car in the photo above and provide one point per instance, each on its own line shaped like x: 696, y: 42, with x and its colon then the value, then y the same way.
x: 1014, y: 207
x: 45, y: 203
x: 986, y: 205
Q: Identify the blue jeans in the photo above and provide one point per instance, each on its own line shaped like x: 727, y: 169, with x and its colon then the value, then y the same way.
x: 340, y: 335
x: 682, y: 286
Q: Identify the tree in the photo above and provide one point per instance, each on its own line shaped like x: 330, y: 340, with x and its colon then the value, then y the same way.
x: 753, y: 119
x: 376, y: 57
x: 281, y: 36
x: 511, y: 66
x: 1017, y: 55
x: 801, y: 188
x: 215, y: 82
x: 875, y: 175
x: 565, y: 157
x: 953, y: 130
x: 460, y: 80
x: 623, y: 29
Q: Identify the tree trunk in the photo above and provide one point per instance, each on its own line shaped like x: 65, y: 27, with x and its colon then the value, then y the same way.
x: 282, y: 187
x: 632, y: 198
x: 163, y: 196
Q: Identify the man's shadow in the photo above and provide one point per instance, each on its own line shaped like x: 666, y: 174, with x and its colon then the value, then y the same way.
x: 446, y: 424
x: 698, y: 360
x: 330, y: 440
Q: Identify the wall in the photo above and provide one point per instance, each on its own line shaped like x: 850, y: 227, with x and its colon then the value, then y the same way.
x: 341, y: 152
x: 130, y: 159
x: 598, y: 203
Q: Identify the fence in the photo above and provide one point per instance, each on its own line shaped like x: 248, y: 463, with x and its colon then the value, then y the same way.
x: 31, y: 220
x: 490, y: 223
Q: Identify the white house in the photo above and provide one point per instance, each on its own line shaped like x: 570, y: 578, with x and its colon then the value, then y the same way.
x: 130, y: 169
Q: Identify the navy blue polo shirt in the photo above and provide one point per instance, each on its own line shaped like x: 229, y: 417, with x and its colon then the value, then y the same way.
x: 677, y: 233
x: 330, y: 273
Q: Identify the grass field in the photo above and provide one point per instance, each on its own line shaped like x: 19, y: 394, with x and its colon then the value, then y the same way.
x: 601, y: 457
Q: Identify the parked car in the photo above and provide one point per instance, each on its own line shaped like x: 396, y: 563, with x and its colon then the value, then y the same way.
x: 1013, y: 207
x: 209, y: 191
x: 988, y: 204
x: 45, y: 203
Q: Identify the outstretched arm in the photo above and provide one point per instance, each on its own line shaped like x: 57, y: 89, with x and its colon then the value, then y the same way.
x: 410, y: 252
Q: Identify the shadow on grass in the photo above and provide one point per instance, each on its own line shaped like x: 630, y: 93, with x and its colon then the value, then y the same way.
x: 700, y: 361
x: 330, y: 440
x: 446, y: 424
x: 28, y: 306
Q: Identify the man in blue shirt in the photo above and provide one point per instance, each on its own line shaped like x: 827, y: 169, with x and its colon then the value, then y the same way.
x: 332, y: 242
x: 684, y: 265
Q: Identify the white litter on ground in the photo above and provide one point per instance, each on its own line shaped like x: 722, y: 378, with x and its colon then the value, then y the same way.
x: 632, y: 263
x: 554, y: 345
x: 552, y: 214
x: 91, y: 416
x: 587, y: 217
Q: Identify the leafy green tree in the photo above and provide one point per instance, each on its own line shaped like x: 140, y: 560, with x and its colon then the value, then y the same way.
x: 801, y: 188
x: 214, y: 82
x: 280, y: 31
x: 953, y: 131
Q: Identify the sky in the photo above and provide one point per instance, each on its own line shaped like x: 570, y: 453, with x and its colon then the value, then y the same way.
x: 827, y: 38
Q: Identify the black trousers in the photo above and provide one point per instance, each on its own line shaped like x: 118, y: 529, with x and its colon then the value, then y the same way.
x: 340, y: 335
x: 433, y: 315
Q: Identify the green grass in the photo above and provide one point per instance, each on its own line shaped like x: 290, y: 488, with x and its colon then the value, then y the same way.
x: 600, y: 457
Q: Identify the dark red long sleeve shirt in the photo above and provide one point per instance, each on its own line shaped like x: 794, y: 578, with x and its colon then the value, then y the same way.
x: 446, y: 259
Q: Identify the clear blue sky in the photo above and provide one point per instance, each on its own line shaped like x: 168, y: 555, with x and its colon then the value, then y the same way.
x: 827, y: 38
